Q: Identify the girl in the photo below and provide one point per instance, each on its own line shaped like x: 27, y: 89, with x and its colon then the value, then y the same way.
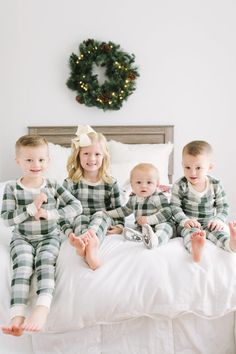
x: 90, y: 182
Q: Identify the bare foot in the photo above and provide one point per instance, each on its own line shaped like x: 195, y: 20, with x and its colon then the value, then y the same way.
x: 79, y: 243
x: 91, y: 255
x: 232, y: 229
x: 37, y: 319
x: 15, y: 328
x: 198, y: 241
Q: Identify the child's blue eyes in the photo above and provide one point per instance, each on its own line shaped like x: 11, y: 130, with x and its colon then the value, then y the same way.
x: 188, y: 168
x: 86, y: 154
x: 29, y: 160
x: 148, y: 182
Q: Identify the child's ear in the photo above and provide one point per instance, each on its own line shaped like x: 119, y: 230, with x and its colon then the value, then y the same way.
x: 211, y: 166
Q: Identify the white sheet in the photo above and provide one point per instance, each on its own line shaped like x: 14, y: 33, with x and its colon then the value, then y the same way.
x: 133, y: 282
x: 187, y: 334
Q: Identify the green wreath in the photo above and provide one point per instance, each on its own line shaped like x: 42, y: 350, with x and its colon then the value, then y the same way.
x: 119, y: 71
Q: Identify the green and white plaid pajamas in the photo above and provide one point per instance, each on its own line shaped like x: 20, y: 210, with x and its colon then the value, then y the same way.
x: 35, y: 244
x: 94, y: 197
x: 186, y: 203
x: 157, y: 210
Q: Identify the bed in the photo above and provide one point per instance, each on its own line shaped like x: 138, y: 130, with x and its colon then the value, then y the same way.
x: 139, y: 301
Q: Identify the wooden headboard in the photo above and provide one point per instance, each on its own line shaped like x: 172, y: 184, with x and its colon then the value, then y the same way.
x: 129, y: 134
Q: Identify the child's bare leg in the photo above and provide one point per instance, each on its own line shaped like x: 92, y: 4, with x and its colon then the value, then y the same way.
x: 79, y: 243
x: 198, y: 241
x: 37, y: 320
x: 91, y: 255
x: 232, y: 242
x: 15, y: 328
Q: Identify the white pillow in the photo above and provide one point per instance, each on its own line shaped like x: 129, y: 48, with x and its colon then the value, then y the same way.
x: 123, y: 158
x: 57, y: 167
x: 157, y: 154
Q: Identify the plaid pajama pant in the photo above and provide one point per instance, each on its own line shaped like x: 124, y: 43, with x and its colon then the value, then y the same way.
x: 29, y: 257
x: 99, y: 222
x: 164, y: 232
x: 219, y: 238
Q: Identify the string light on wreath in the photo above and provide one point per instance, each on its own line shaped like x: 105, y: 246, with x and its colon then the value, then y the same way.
x: 120, y: 75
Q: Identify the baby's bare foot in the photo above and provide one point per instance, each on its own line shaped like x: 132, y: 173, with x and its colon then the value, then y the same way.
x: 198, y: 241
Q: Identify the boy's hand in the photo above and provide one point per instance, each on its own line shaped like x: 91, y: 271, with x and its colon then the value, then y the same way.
x: 215, y: 225
x: 41, y: 214
x: 192, y: 223
x: 141, y: 220
x: 40, y: 199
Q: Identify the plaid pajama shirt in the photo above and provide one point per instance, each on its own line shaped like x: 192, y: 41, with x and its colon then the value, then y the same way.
x: 157, y: 210
x: 186, y: 203
x: 94, y: 197
x: 35, y: 244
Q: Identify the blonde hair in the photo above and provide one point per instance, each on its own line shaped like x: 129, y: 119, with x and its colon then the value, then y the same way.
x: 74, y: 168
x: 30, y: 141
x: 144, y: 167
x: 197, y: 147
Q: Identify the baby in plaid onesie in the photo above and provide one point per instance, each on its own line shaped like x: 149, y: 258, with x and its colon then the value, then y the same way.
x: 199, y: 204
x: 34, y: 206
x: 153, y: 217
x: 89, y: 181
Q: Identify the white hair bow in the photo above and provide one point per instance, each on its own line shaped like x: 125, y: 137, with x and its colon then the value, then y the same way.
x: 82, y: 138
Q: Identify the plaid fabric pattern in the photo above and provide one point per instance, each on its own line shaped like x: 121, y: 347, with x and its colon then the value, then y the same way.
x: 35, y: 244
x: 157, y: 209
x: 94, y: 198
x: 186, y: 204
x: 99, y: 222
x: 14, y: 209
x: 29, y: 257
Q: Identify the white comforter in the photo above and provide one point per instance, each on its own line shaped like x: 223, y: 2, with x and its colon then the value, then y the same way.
x: 132, y: 282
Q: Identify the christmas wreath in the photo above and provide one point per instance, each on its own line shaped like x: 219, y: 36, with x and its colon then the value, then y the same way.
x: 119, y: 71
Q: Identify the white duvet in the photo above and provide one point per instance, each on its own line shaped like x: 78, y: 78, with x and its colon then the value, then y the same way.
x: 132, y: 282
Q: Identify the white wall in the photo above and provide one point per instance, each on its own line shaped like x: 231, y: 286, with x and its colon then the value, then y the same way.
x: 185, y: 51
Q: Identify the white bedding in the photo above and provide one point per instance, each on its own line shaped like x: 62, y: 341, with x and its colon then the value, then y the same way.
x: 133, y: 282
x: 139, y: 302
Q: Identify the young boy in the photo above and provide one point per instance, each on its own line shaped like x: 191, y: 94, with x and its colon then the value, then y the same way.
x: 198, y: 202
x: 150, y: 206
x: 34, y: 205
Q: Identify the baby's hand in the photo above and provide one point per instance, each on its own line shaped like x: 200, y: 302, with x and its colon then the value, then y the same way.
x: 40, y: 199
x: 114, y: 230
x: 192, y: 223
x: 141, y: 220
x: 41, y: 214
x: 215, y: 225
